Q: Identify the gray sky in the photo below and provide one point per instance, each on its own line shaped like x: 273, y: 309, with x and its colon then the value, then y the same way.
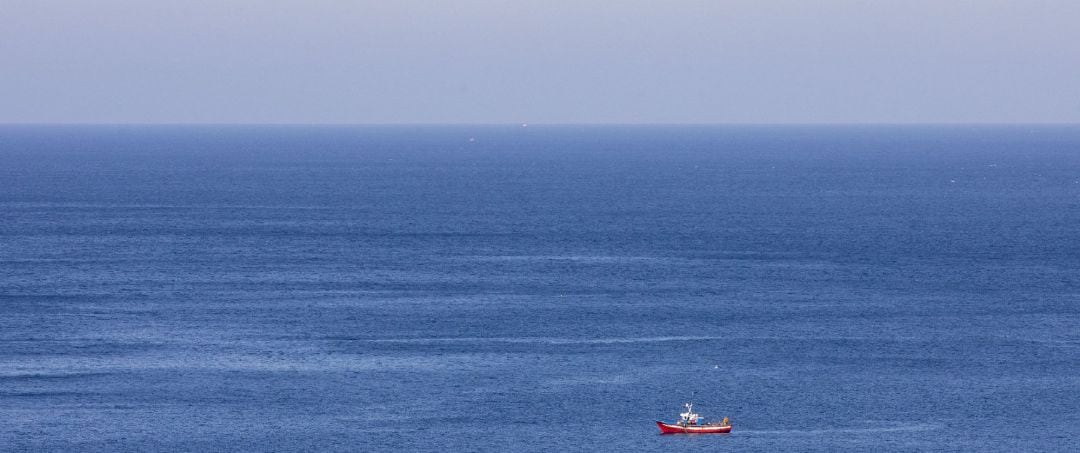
x: 553, y: 61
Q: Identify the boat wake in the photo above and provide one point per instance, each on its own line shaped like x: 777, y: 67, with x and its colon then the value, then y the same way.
x: 844, y: 430
x: 547, y: 340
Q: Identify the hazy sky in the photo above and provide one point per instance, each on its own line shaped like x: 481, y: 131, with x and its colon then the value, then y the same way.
x: 552, y: 61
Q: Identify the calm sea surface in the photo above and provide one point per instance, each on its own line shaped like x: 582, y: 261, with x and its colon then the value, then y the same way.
x: 506, y: 288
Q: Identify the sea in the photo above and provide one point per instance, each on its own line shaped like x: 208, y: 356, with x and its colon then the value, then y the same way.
x: 539, y: 288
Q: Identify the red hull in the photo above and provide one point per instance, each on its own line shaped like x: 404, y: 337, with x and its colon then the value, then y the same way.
x: 669, y: 428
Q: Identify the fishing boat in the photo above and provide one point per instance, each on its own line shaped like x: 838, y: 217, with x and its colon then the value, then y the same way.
x: 691, y: 423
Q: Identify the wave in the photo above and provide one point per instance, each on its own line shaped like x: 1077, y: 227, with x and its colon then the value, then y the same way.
x: 594, y: 259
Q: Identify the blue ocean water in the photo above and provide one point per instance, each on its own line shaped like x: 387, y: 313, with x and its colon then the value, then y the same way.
x: 541, y: 288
